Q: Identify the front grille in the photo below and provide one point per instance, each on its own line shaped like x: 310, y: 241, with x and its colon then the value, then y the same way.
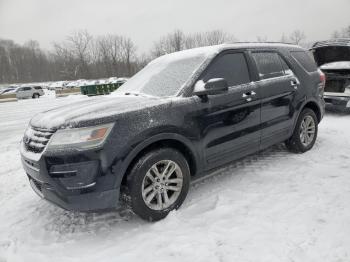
x: 37, y: 184
x: 35, y: 140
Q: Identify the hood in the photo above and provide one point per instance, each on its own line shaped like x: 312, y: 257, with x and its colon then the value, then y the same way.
x: 93, y: 111
x: 331, y: 51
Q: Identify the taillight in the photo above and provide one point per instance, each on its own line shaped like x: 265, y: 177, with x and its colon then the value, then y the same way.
x: 322, y: 77
x: 322, y: 85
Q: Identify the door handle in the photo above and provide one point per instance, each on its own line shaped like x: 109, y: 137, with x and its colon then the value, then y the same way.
x: 294, y: 83
x: 248, y: 95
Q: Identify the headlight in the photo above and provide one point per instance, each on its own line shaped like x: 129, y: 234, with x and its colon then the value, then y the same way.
x: 80, y: 138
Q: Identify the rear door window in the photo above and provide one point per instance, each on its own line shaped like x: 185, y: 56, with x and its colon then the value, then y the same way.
x: 269, y: 64
x: 305, y: 59
x: 286, y: 68
x: 232, y: 67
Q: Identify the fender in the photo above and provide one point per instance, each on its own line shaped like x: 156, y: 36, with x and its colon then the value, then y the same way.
x: 302, y: 106
x: 121, y: 165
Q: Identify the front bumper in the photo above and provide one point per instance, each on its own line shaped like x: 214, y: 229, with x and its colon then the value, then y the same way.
x: 337, y: 102
x: 74, y: 183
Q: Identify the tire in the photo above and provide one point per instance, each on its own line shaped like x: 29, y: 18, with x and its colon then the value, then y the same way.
x: 301, y: 140
x: 36, y: 96
x: 143, y: 182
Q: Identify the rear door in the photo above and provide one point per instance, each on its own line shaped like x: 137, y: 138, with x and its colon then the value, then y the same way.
x: 279, y: 87
x: 229, y: 122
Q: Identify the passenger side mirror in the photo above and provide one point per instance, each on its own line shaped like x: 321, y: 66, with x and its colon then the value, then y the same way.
x: 213, y: 86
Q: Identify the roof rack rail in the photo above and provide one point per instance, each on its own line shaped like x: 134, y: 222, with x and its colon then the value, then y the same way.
x: 261, y: 42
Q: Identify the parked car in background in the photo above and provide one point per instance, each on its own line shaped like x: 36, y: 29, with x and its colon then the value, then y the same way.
x: 7, y: 90
x: 57, y: 85
x: 181, y: 116
x: 117, y: 80
x: 24, y: 92
x: 75, y: 83
x: 333, y: 58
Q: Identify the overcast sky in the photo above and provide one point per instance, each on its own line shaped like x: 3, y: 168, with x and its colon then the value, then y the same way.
x: 145, y: 21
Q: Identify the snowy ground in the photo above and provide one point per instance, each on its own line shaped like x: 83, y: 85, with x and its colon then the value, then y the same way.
x: 272, y: 206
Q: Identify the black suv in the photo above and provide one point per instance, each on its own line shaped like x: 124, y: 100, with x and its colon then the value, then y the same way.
x: 184, y: 114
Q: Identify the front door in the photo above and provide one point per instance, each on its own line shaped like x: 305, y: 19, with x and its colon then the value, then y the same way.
x: 21, y: 93
x: 229, y: 122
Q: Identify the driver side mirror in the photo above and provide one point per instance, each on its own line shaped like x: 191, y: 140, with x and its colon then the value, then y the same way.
x: 213, y: 86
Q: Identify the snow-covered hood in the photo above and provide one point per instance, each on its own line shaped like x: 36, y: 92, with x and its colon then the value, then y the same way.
x: 94, y: 111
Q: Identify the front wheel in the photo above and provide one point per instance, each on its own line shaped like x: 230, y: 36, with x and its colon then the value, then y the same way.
x: 158, y: 183
x: 36, y: 96
x: 305, y: 132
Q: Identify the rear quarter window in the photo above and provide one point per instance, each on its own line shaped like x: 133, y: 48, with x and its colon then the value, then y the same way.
x: 305, y: 59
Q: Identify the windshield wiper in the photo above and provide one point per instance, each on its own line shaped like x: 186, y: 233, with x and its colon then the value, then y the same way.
x: 133, y: 94
x: 137, y: 94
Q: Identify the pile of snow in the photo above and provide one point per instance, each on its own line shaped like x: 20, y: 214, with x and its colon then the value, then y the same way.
x: 274, y: 206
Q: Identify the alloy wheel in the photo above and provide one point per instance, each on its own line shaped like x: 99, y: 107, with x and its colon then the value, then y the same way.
x: 162, y: 185
x: 307, y: 130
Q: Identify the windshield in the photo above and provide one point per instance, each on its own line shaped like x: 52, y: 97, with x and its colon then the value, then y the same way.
x: 164, y: 76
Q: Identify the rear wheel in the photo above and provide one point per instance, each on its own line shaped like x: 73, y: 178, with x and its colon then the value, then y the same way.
x: 36, y: 95
x: 158, y: 183
x: 305, y: 132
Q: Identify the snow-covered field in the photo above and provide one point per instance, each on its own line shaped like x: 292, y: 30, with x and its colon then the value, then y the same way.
x: 272, y: 206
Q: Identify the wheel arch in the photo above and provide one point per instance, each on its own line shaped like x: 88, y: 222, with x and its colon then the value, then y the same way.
x: 175, y: 141
x: 315, y: 107
x: 311, y: 104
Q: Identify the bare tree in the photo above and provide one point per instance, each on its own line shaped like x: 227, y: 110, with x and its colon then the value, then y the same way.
x: 177, y: 41
x: 262, y: 38
x: 215, y: 37
x: 170, y: 43
x: 297, y: 37
x: 342, y: 33
x: 284, y: 39
x: 108, y: 52
x: 80, y: 45
x: 128, y: 54
x: 116, y: 54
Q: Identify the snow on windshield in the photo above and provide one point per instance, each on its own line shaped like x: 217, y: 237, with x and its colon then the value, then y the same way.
x: 166, y: 75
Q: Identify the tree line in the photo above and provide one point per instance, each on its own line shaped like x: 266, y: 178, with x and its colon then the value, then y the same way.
x: 84, y: 56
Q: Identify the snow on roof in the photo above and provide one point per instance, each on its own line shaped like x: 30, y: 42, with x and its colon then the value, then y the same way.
x: 210, y: 50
